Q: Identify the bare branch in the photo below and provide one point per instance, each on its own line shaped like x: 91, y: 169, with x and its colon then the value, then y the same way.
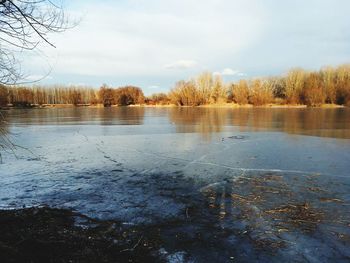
x: 24, y: 24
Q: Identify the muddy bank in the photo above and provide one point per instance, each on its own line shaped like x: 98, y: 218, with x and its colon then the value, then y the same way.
x: 61, y: 235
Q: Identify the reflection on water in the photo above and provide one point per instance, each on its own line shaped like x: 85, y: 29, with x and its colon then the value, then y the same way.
x: 316, y: 122
x: 199, y: 120
x: 332, y: 123
x: 71, y: 116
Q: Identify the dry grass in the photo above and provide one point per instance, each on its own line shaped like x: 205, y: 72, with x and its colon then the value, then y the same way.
x: 270, y: 206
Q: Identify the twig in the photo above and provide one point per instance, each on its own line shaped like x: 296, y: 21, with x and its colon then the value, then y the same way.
x: 133, y: 248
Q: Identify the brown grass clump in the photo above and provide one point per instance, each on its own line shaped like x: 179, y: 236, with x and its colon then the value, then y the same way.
x: 268, y: 205
x: 303, y: 216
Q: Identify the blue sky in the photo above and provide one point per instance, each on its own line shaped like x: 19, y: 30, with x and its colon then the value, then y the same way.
x: 154, y: 43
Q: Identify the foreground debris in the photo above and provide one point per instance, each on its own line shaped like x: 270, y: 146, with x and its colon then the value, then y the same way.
x: 59, y: 235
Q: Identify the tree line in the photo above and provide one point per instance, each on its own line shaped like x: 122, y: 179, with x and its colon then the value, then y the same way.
x: 39, y: 95
x: 328, y: 85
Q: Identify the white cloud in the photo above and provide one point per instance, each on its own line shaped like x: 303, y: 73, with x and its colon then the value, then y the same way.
x: 134, y: 39
x: 181, y: 64
x: 139, y: 41
x: 153, y: 87
x: 230, y: 72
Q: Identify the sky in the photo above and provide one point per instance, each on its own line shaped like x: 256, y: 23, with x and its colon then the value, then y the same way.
x: 154, y: 43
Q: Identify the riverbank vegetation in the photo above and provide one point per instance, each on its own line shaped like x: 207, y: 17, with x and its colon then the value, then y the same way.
x: 75, y: 95
x: 298, y: 87
x: 123, y: 96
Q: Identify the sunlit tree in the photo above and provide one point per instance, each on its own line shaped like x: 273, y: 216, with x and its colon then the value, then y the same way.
x: 204, y: 84
x: 260, y: 92
x: 241, y: 92
x: 106, y: 96
x: 328, y: 79
x: 128, y: 95
x: 342, y: 82
x: 313, y: 93
x: 294, y: 84
x: 218, y: 91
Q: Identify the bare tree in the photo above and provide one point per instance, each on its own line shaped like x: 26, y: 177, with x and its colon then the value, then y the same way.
x: 313, y: 92
x: 204, y: 84
x: 219, y: 91
x: 294, y: 84
x: 240, y: 92
x: 24, y: 24
x: 328, y: 79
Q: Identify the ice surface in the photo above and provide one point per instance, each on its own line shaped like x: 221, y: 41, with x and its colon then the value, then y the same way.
x: 267, y: 186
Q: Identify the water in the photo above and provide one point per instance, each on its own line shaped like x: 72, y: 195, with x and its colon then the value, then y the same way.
x: 226, y: 185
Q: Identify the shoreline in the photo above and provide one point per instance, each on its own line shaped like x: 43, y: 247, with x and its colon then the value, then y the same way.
x: 225, y: 105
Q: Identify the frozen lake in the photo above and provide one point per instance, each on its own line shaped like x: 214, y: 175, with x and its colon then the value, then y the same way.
x: 226, y: 185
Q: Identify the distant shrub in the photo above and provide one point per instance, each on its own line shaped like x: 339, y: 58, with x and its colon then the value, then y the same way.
x: 342, y: 83
x: 279, y: 88
x: 218, y: 91
x: 260, y: 93
x: 158, y: 99
x: 328, y: 80
x: 240, y: 92
x: 203, y: 87
x: 313, y: 92
x: 106, y: 96
x: 75, y: 97
x: 128, y: 95
x: 175, y: 95
x: 294, y: 83
x: 185, y: 94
